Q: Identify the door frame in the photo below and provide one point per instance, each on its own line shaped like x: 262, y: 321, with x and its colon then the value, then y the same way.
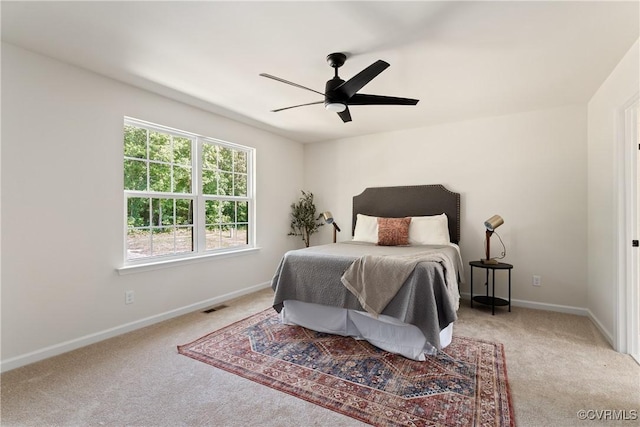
x: 628, y: 286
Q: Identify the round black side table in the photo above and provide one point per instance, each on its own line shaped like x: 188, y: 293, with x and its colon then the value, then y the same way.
x: 486, y: 299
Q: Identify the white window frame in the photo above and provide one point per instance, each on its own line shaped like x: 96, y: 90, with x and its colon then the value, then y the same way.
x: 199, y: 235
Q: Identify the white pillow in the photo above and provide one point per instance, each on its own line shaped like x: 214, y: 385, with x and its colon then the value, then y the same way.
x: 429, y: 230
x: 366, y: 229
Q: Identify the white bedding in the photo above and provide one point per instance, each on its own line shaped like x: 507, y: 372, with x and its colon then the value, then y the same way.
x: 385, y: 332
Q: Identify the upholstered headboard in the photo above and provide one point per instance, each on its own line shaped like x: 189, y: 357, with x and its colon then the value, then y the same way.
x: 415, y: 200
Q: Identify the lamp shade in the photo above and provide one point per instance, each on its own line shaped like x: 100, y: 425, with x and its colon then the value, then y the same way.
x: 328, y: 217
x: 493, y: 222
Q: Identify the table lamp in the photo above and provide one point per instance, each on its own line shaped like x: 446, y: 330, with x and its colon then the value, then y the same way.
x: 491, y: 224
x: 328, y: 218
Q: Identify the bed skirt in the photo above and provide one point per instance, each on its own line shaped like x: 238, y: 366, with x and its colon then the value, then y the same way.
x: 385, y: 332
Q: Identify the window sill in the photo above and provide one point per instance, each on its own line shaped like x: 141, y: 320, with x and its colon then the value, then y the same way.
x: 156, y: 265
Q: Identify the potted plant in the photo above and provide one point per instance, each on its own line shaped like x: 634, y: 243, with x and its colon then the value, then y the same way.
x: 303, y: 218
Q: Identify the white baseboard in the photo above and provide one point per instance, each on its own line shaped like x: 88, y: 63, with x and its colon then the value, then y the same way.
x: 54, y: 350
x: 541, y: 306
x: 569, y: 309
x: 560, y: 309
x: 607, y: 335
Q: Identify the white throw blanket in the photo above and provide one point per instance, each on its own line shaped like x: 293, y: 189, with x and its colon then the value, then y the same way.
x: 375, y: 280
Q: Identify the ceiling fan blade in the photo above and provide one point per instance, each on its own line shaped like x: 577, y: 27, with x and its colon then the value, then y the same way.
x: 296, y: 106
x: 345, y: 115
x: 355, y: 83
x: 269, y: 76
x: 362, y: 99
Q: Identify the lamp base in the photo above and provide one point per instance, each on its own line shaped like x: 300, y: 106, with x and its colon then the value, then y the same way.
x: 489, y: 261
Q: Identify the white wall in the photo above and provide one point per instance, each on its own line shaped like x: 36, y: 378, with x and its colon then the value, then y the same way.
x: 62, y: 208
x: 604, y: 184
x: 530, y: 168
x: 61, y: 147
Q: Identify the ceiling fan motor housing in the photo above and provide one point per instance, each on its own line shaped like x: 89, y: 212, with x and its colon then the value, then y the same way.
x: 330, y: 95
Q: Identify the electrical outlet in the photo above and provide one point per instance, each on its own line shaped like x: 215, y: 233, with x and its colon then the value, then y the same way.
x: 537, y: 281
x: 128, y: 297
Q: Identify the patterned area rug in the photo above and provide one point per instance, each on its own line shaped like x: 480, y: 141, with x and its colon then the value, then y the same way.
x: 464, y: 385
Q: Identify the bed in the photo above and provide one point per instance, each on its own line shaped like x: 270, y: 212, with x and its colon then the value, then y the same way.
x: 336, y: 288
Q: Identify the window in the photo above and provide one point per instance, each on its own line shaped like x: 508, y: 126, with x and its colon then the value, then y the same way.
x: 186, y: 195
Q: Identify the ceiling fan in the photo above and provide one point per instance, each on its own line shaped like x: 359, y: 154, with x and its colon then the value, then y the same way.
x: 338, y: 94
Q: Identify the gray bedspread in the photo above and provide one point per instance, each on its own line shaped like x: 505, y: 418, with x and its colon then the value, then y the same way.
x: 313, y: 275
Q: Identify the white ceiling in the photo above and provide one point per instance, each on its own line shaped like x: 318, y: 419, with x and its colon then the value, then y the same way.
x: 460, y: 59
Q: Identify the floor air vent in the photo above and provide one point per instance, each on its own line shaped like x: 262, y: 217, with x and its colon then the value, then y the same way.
x: 216, y: 308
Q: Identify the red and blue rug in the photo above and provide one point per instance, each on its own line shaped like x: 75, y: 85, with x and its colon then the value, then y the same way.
x: 463, y: 385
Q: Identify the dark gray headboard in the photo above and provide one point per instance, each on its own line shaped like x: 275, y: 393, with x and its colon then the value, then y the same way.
x: 414, y: 200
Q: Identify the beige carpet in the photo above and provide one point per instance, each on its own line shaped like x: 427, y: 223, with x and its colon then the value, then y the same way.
x: 557, y: 364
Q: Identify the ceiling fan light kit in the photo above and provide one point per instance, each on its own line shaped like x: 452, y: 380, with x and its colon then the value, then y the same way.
x: 336, y: 107
x: 338, y: 94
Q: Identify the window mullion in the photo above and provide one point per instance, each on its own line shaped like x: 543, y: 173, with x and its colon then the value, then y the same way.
x: 199, y: 222
x: 147, y: 165
x: 172, y: 184
x: 158, y: 194
x: 251, y: 208
x: 151, y: 224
